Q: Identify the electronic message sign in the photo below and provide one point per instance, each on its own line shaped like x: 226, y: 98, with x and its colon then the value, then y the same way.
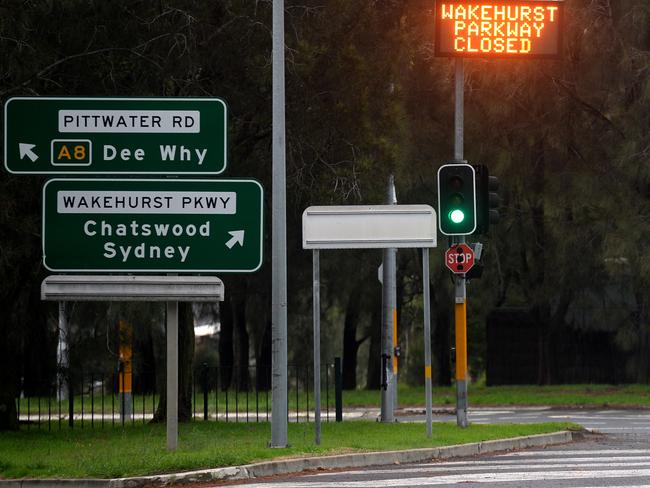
x: 515, y: 29
x: 135, y: 136
x: 171, y: 226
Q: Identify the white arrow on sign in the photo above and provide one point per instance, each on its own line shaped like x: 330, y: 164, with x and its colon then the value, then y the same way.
x: 237, y: 238
x: 25, y: 149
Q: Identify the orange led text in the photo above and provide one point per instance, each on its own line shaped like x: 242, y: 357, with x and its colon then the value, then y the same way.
x: 476, y: 28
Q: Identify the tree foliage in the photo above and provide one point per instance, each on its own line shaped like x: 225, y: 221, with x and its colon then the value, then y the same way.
x: 366, y: 98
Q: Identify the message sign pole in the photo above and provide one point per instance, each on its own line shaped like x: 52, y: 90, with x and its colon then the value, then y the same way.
x: 459, y: 115
x: 460, y: 305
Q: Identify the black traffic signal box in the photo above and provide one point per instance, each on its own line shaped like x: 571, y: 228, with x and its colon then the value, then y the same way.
x: 457, y: 199
x: 487, y: 199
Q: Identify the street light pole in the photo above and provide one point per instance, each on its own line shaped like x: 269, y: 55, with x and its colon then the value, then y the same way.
x: 279, y: 407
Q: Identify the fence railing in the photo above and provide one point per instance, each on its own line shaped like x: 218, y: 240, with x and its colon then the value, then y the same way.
x: 225, y: 394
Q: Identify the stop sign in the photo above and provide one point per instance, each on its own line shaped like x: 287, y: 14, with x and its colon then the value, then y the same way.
x: 459, y: 258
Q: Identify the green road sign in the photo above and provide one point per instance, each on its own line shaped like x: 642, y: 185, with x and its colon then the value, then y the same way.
x: 165, y: 136
x: 180, y: 226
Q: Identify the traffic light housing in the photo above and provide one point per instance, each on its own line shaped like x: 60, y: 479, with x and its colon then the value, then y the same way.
x: 487, y: 199
x: 456, y: 199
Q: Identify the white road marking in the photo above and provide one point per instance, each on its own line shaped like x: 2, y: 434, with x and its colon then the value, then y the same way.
x: 491, y: 412
x: 517, y: 462
x: 494, y: 467
x: 461, y: 478
x: 593, y: 417
x: 568, y: 452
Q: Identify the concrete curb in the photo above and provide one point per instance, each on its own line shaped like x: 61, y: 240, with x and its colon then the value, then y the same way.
x: 286, y: 466
x: 91, y: 483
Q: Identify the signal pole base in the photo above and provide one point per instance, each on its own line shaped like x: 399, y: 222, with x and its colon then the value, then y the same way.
x: 461, y: 403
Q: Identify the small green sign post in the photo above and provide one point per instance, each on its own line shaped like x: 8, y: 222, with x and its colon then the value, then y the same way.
x: 135, y: 136
x: 170, y: 226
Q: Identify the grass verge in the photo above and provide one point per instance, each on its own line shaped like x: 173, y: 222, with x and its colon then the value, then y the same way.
x: 140, y: 450
x: 258, y: 404
x: 524, y: 395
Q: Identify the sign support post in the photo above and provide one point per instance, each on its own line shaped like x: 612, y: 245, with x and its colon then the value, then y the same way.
x: 460, y: 305
x: 316, y: 271
x: 172, y: 376
x: 426, y: 297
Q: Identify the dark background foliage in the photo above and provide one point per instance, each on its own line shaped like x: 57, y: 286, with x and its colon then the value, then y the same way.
x: 366, y: 98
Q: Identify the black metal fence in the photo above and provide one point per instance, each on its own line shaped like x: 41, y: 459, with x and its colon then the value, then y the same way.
x: 223, y: 394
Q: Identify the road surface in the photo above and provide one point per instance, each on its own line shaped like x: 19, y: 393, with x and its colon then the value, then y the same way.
x: 618, y: 458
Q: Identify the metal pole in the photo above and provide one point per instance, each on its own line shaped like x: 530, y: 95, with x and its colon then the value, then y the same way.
x: 392, y: 199
x: 126, y: 370
x: 392, y: 196
x: 316, y: 270
x: 279, y: 421
x: 391, y: 324
x: 387, y: 393
x: 172, y: 376
x: 392, y: 290
x: 459, y: 117
x: 338, y: 389
x: 460, y: 314
x: 460, y: 305
x: 389, y: 318
x: 427, y: 338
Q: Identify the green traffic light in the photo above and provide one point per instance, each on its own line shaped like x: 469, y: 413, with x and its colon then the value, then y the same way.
x: 457, y: 216
x: 456, y: 199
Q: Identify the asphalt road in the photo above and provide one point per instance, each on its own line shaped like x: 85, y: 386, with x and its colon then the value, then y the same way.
x: 605, y: 421
x: 619, y: 457
x: 597, y: 461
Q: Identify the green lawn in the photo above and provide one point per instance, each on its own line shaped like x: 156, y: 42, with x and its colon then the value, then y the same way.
x: 140, y: 450
x: 257, y: 404
x: 524, y: 395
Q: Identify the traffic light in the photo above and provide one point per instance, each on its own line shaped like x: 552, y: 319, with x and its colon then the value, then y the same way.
x: 456, y: 199
x: 487, y: 199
